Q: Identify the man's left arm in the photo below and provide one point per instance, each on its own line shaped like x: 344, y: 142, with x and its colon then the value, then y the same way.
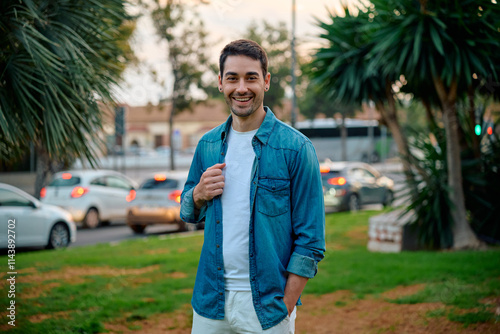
x: 308, y: 222
x: 294, y: 286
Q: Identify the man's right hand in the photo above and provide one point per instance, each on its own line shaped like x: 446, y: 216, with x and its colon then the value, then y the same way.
x: 211, y: 184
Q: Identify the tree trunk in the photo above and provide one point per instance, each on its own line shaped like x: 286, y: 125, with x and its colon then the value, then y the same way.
x: 390, y: 118
x: 463, y: 236
x: 429, y: 115
x: 343, y: 138
x: 171, y: 135
x: 43, y: 169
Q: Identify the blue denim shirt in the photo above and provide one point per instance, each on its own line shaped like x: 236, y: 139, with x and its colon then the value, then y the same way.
x: 287, y: 224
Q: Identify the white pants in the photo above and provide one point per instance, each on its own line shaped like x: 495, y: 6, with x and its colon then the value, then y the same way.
x: 240, y: 317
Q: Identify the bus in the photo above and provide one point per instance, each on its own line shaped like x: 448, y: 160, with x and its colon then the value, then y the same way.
x: 366, y: 140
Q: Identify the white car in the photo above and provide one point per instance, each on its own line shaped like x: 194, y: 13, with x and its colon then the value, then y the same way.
x: 26, y: 222
x: 91, y: 196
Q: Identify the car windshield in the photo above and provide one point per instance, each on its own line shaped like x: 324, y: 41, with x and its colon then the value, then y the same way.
x: 160, y: 184
x: 328, y: 175
x: 64, y: 182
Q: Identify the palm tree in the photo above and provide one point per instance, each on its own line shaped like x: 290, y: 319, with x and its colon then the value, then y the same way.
x: 342, y: 70
x: 59, y: 60
x: 445, y: 45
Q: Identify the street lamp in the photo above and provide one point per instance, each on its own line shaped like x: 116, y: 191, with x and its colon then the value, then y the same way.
x: 294, y: 79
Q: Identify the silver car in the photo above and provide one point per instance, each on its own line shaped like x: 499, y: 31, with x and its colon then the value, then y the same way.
x: 157, y: 201
x: 349, y: 185
x: 26, y: 222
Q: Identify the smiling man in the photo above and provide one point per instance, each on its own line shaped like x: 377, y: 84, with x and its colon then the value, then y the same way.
x: 257, y: 184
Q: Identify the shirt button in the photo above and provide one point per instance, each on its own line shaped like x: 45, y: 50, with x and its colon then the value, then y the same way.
x: 218, y: 268
x: 220, y: 293
x: 221, y: 153
x: 218, y: 221
x: 251, y: 255
x: 218, y: 246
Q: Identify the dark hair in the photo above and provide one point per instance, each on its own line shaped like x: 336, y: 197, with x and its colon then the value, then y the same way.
x: 244, y: 47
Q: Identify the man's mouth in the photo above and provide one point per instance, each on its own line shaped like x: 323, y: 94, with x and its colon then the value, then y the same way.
x: 242, y: 99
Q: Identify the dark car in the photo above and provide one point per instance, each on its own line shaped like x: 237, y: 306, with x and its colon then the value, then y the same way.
x: 349, y: 185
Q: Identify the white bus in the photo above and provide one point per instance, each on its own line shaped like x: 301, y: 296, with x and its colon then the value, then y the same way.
x: 365, y: 141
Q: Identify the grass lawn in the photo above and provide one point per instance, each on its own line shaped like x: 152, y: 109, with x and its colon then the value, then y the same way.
x: 88, y: 289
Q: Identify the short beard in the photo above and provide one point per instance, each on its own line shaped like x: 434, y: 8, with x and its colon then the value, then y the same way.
x: 244, y: 113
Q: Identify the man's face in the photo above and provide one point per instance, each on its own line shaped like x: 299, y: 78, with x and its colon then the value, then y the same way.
x: 243, y: 85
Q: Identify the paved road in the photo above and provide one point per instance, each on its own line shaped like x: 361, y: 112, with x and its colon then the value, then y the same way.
x: 116, y: 232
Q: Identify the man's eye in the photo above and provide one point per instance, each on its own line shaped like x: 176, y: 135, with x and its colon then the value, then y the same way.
x: 252, y: 78
x: 230, y: 79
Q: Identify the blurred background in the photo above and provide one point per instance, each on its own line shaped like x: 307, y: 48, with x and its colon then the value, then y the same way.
x: 102, y: 104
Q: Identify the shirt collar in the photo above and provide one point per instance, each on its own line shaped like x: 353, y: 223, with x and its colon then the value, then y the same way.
x: 264, y: 131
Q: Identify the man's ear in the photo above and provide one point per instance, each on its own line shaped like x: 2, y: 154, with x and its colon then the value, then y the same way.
x: 219, y: 82
x: 267, y: 81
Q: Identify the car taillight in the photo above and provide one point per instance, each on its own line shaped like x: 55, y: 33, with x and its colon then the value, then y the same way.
x: 160, y: 177
x: 337, y: 181
x: 131, y: 195
x: 175, y: 196
x: 43, y: 192
x: 78, y: 192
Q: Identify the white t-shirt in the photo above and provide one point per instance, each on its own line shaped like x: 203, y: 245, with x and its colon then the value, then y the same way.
x: 236, y: 209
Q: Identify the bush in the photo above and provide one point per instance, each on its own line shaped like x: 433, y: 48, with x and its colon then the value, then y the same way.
x: 481, y: 183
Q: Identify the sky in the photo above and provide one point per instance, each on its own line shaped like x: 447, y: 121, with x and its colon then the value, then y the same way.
x: 226, y: 21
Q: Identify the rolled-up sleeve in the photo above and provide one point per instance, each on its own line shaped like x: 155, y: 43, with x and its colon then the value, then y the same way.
x: 189, y: 213
x: 308, y: 213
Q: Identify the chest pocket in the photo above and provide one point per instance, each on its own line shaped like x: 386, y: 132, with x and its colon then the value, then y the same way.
x: 273, y: 197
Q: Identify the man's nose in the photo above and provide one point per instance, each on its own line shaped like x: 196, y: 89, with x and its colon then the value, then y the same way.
x: 242, y: 87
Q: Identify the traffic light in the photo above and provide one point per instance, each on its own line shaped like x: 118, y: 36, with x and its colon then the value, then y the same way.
x: 489, y: 130
x: 477, y: 129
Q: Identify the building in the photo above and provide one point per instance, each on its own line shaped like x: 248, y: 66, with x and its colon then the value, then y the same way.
x: 147, y: 126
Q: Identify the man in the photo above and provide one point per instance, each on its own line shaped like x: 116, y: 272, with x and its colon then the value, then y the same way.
x: 256, y: 181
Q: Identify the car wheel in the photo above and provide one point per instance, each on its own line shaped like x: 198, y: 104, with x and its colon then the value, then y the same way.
x: 389, y: 197
x: 353, y: 203
x: 58, y: 237
x: 138, y: 229
x: 91, y: 219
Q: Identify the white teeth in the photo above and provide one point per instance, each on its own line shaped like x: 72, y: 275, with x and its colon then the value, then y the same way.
x: 242, y: 100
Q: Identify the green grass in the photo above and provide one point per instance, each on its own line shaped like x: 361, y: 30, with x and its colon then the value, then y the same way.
x: 83, y: 304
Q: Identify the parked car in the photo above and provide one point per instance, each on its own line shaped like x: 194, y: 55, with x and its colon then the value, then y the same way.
x: 91, y: 196
x: 157, y: 201
x: 33, y: 224
x: 349, y: 185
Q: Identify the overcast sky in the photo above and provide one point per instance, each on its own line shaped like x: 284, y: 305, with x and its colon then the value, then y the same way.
x: 226, y: 20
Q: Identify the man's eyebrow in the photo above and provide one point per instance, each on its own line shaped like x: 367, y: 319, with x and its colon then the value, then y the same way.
x: 247, y: 74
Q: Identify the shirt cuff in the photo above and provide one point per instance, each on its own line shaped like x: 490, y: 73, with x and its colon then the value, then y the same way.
x: 189, y: 213
x: 302, y: 266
